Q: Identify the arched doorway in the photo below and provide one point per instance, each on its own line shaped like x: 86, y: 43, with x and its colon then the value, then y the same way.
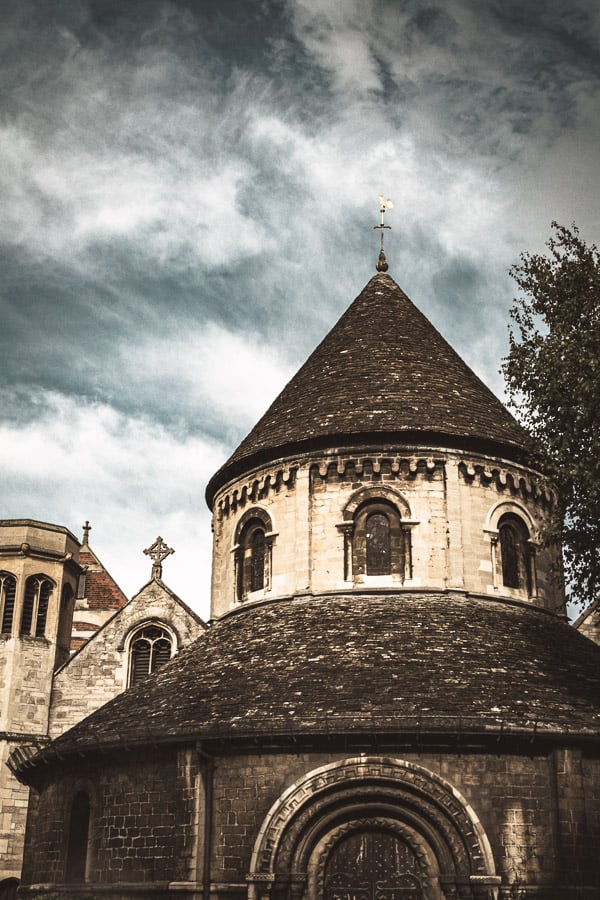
x: 372, y: 864
x: 371, y: 828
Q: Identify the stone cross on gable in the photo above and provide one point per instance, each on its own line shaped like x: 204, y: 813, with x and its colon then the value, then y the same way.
x: 157, y: 552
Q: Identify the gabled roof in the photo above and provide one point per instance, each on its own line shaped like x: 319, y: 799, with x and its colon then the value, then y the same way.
x: 382, y: 373
x: 101, y: 590
x: 362, y: 664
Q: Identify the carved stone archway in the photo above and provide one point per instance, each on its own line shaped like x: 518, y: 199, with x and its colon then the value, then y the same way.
x: 450, y: 848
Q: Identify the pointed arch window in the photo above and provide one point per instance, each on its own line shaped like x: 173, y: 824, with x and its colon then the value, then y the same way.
x: 8, y: 591
x: 38, y: 589
x: 150, y: 649
x: 78, y: 838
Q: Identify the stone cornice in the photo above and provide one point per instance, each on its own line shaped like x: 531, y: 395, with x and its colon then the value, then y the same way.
x: 256, y: 488
x: 520, y: 481
x: 377, y: 463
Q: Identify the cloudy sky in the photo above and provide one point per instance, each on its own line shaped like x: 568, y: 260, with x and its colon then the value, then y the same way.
x: 187, y: 195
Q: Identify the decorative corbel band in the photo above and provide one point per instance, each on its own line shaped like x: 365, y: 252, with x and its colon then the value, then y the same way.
x: 256, y: 489
x: 377, y: 464
x: 516, y: 482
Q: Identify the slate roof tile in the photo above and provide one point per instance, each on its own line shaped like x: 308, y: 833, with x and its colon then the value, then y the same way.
x: 362, y: 663
x: 382, y: 370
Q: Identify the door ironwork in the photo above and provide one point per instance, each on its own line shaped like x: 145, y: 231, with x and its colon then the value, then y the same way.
x: 372, y: 865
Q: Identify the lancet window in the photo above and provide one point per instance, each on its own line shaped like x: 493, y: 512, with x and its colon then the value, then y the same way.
x: 38, y: 589
x: 8, y: 590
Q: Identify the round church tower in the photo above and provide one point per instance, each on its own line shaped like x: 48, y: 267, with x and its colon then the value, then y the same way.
x: 384, y: 465
x: 389, y: 704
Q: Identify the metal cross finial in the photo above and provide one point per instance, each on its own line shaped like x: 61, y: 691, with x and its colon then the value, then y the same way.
x: 384, y: 204
x: 158, y: 551
x: 86, y: 531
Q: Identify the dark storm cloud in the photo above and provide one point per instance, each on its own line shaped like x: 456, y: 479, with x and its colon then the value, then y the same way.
x: 188, y: 193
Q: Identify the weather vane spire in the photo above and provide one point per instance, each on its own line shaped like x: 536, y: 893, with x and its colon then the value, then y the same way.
x: 384, y: 204
x: 158, y: 551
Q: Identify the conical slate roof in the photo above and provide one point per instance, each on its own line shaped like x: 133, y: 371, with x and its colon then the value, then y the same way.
x: 361, y: 664
x: 382, y: 373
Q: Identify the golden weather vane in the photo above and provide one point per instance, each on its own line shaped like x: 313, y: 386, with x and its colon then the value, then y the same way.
x: 384, y: 204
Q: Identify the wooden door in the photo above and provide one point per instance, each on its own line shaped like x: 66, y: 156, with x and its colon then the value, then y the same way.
x: 372, y: 865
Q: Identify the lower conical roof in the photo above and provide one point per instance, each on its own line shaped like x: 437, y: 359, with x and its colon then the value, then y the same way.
x: 382, y: 372
x: 364, y: 664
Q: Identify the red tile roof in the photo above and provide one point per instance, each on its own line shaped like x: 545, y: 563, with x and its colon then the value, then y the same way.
x: 101, y: 590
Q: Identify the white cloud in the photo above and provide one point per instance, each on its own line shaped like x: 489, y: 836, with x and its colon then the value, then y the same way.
x: 75, y: 460
x: 231, y: 376
x: 335, y: 35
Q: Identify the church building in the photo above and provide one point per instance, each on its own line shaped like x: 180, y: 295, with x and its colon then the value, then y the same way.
x: 69, y: 641
x: 387, y: 703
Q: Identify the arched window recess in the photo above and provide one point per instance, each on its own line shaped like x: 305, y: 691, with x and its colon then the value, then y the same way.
x: 78, y: 838
x: 253, y: 554
x: 34, y: 615
x: 8, y: 593
x: 150, y: 647
x: 377, y: 537
x: 514, y: 541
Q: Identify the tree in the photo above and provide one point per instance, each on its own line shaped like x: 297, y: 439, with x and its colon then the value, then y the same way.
x: 552, y: 373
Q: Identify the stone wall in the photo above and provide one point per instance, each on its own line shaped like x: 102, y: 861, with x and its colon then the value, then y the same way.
x: 147, y: 816
x: 29, y: 548
x: 451, y: 503
x: 99, y: 670
x: 13, y: 814
x: 143, y: 822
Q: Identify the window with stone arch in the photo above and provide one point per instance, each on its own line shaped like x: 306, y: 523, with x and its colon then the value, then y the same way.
x: 78, y: 838
x: 8, y: 591
x: 512, y: 531
x: 377, y: 536
x: 38, y: 590
x: 253, y: 553
x: 516, y: 558
x: 151, y: 646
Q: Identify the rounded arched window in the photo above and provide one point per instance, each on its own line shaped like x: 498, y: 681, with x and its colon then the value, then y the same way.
x: 515, y: 555
x: 150, y: 649
x: 253, y: 554
x: 78, y: 838
x: 257, y: 560
x: 378, y: 541
x: 8, y: 888
x: 377, y: 544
